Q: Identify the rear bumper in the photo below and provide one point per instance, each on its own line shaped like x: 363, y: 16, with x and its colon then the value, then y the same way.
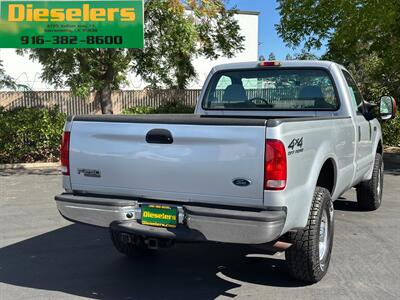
x: 195, y: 223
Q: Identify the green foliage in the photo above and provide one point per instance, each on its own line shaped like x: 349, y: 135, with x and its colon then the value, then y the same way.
x: 139, y: 110
x: 172, y: 39
x: 83, y: 70
x: 167, y: 108
x: 272, y: 56
x: 391, y: 132
x: 354, y: 31
x: 366, y: 72
x: 288, y: 57
x: 30, y: 134
x: 5, y: 80
x: 303, y: 55
x: 363, y: 36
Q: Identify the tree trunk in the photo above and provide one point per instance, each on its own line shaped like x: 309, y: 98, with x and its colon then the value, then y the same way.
x: 104, y: 96
x: 105, y: 92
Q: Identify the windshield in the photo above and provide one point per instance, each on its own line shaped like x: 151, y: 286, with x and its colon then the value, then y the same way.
x: 272, y: 89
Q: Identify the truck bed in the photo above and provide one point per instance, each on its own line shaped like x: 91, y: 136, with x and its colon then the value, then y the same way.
x: 184, y: 158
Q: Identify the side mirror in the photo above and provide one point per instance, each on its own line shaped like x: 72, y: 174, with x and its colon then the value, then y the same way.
x: 387, y: 108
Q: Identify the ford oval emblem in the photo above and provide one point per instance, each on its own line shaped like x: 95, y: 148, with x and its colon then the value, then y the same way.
x: 241, y: 182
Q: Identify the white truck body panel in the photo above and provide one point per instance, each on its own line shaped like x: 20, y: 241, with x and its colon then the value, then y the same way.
x: 199, y: 166
x: 304, y: 168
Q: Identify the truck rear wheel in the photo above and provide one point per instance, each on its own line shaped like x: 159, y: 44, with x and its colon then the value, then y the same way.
x: 369, y: 193
x: 129, y: 245
x: 309, y: 256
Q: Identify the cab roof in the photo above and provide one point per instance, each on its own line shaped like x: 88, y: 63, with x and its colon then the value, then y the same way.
x: 284, y: 63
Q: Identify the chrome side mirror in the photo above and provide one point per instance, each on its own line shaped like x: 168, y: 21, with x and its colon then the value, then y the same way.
x: 387, y: 108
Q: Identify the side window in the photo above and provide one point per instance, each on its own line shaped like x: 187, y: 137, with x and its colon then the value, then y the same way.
x: 358, y: 101
x: 223, y: 83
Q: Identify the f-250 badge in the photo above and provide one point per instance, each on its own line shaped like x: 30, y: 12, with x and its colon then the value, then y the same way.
x: 296, y: 146
x: 89, y: 173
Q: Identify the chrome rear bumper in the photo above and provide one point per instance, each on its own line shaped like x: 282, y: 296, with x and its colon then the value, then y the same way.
x: 196, y: 223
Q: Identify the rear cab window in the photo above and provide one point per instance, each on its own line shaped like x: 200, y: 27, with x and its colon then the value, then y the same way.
x: 271, y: 89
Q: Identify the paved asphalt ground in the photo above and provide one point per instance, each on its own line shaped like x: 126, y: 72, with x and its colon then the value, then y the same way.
x: 43, y: 256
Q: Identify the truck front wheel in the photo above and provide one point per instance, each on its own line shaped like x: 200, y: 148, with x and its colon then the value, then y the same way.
x: 309, y: 256
x: 369, y: 193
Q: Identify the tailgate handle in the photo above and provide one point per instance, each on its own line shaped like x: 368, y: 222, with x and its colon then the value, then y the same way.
x: 159, y: 136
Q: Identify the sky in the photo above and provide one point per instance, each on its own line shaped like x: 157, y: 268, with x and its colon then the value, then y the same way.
x: 268, y: 37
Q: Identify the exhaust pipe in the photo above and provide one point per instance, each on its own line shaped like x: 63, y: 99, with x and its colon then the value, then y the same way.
x: 273, y: 247
x: 281, y: 246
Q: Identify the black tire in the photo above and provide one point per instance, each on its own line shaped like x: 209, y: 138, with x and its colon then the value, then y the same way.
x: 369, y: 193
x: 133, y: 248
x: 303, y: 258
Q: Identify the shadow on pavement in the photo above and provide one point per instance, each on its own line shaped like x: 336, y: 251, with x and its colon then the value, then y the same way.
x: 392, y: 167
x: 81, y: 261
x: 392, y: 163
x: 345, y: 205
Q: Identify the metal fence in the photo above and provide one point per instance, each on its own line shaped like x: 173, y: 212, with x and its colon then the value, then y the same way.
x: 73, y: 105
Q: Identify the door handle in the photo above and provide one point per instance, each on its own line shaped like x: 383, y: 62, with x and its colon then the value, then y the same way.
x: 359, y: 133
x: 159, y: 136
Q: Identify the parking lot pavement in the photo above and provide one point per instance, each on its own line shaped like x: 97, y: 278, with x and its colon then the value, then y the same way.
x: 43, y: 256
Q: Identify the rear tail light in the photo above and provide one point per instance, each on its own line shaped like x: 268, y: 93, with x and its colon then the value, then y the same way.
x: 64, y: 153
x: 275, y: 169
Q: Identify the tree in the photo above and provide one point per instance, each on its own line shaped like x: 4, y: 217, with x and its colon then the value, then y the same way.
x: 305, y: 55
x: 173, y: 38
x: 362, y: 35
x: 354, y: 30
x: 271, y: 56
x: 85, y: 70
x: 5, y: 80
x: 366, y: 72
x: 289, y: 57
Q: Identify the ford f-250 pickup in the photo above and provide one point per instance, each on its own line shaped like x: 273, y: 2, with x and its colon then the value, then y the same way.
x: 271, y: 145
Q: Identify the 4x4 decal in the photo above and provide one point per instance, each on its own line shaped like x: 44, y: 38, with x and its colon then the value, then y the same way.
x: 296, y: 146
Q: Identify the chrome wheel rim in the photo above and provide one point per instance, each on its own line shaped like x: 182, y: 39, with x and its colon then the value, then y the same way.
x: 323, y: 235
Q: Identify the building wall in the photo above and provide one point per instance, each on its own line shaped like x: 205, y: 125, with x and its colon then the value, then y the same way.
x: 27, y: 72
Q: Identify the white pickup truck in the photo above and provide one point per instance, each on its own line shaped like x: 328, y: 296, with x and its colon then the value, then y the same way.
x: 271, y: 145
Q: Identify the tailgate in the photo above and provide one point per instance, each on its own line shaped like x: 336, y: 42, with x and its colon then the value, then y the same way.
x: 199, y: 164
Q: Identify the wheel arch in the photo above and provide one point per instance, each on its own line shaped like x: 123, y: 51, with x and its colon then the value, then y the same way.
x: 327, y: 175
x: 379, y: 147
